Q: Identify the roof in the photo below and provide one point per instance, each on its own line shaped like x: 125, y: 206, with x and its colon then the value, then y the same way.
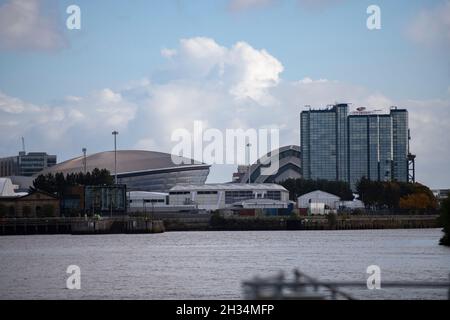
x: 6, y: 188
x: 260, y: 171
x: 146, y: 193
x: 229, y: 187
x: 319, y: 194
x: 23, y: 195
x: 128, y: 161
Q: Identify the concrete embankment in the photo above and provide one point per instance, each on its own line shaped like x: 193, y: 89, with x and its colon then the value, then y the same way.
x: 79, y: 226
x: 324, y: 223
x: 208, y: 222
x: 160, y: 222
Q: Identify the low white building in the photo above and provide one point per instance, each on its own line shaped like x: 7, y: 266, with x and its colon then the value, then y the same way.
x: 142, y: 201
x: 225, y: 195
x: 317, y: 198
x: 8, y: 189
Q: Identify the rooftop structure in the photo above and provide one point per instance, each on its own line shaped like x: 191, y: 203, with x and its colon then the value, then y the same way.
x: 289, y: 166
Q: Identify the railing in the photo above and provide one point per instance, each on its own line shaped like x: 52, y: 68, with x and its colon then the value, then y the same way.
x: 304, y: 287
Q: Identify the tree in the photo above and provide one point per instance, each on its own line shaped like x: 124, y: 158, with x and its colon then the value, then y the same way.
x: 445, y: 220
x: 396, y: 195
x: 419, y: 201
x: 58, y: 183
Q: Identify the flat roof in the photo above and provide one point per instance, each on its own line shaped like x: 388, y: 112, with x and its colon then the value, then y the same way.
x: 229, y: 187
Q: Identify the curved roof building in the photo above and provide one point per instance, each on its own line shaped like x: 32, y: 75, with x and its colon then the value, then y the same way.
x: 140, y: 170
x: 289, y: 166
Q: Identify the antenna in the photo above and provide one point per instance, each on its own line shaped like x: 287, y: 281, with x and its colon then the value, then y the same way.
x: 23, y: 144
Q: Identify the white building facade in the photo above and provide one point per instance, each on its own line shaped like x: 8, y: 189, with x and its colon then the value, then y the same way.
x: 318, y: 198
x: 220, y: 196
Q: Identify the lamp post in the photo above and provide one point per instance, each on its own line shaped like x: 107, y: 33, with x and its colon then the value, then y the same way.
x: 115, y: 133
x: 249, y: 164
x: 84, y: 160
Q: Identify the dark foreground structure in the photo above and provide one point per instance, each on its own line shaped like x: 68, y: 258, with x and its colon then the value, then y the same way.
x: 115, y: 225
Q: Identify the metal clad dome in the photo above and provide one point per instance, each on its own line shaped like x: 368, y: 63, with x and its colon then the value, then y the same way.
x: 139, y: 170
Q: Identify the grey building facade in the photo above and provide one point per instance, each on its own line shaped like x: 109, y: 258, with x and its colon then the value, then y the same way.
x: 26, y: 164
x: 336, y: 145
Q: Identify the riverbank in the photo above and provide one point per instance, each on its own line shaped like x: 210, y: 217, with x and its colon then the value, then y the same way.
x: 206, y: 222
x: 77, y: 226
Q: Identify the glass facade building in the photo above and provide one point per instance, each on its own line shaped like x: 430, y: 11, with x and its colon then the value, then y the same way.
x: 336, y: 145
x: 323, y: 136
x: 26, y: 164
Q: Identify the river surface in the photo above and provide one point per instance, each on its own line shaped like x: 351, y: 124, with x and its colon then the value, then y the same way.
x: 211, y: 265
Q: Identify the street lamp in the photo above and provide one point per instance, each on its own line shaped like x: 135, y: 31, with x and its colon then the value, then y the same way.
x: 115, y: 133
x: 249, y: 164
x: 84, y: 160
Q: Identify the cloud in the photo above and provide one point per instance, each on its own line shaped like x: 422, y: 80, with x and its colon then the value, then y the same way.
x: 25, y: 26
x: 247, y: 73
x: 232, y: 87
x: 431, y: 27
x: 59, y: 126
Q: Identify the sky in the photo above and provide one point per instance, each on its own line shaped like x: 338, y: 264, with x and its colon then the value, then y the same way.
x: 147, y: 68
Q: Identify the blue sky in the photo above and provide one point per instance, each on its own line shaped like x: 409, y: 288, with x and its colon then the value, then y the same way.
x: 120, y: 43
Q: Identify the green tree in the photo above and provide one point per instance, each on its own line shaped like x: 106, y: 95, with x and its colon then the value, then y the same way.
x: 445, y: 220
x: 58, y: 183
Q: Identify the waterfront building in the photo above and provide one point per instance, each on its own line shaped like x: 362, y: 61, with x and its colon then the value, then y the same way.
x: 142, y: 201
x: 26, y: 164
x: 228, y: 195
x: 140, y: 170
x: 289, y: 167
x: 336, y: 145
x: 105, y: 200
x: 37, y: 204
x: 318, y: 197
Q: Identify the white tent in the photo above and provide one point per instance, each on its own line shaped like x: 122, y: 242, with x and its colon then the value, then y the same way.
x: 7, y: 188
x: 315, y: 197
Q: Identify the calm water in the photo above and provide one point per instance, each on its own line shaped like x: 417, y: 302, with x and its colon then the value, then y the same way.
x: 211, y: 265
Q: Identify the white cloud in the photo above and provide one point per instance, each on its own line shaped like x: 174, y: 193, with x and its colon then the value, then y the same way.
x: 59, y: 126
x: 226, y: 87
x: 24, y: 25
x: 246, y: 72
x: 431, y: 27
x: 167, y: 53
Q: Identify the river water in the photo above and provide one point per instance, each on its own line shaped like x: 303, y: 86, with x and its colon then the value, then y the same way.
x: 211, y: 265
